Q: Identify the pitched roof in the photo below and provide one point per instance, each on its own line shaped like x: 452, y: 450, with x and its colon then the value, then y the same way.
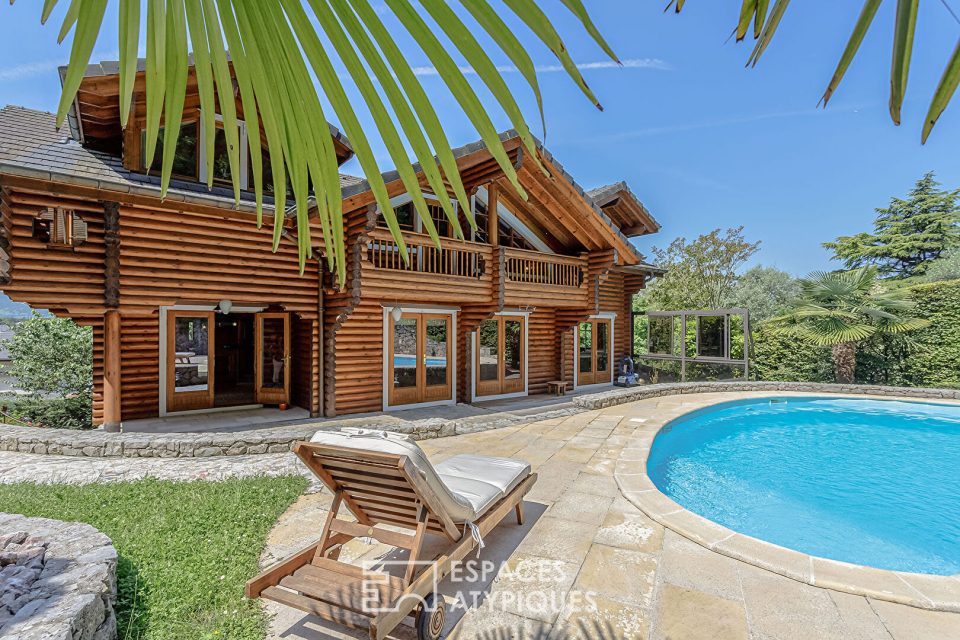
x: 107, y: 68
x: 31, y: 147
x: 634, y: 219
x: 480, y: 145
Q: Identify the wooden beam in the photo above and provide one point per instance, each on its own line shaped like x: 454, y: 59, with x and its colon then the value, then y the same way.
x: 111, y: 370
x: 493, y: 214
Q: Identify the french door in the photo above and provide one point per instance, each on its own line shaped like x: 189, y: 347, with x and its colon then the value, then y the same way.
x: 593, y: 352
x: 500, y: 356
x: 272, y: 358
x: 418, y: 358
x: 190, y: 349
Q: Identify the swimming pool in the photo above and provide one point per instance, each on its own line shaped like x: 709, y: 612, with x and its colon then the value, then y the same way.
x: 871, y: 482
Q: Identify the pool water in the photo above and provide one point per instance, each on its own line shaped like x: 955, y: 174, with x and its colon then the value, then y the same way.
x: 872, y: 482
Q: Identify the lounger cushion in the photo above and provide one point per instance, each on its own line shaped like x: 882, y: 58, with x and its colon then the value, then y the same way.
x: 482, y: 480
x: 465, y: 485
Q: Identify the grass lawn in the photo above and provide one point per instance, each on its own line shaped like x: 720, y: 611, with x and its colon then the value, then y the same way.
x: 186, y: 548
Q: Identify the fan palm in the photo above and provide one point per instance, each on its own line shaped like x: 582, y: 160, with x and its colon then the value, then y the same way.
x: 278, y: 48
x: 841, y: 309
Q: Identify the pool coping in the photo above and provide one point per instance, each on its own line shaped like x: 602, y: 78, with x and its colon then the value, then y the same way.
x: 924, y: 591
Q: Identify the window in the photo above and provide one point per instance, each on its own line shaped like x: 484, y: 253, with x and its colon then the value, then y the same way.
x: 406, y: 217
x: 60, y: 228
x: 190, y: 159
x: 185, y: 160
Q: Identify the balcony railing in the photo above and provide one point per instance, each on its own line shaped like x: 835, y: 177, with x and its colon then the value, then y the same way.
x: 530, y: 267
x: 453, y: 258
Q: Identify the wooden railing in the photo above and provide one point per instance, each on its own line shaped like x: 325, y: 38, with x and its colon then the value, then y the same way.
x: 531, y: 267
x: 453, y: 258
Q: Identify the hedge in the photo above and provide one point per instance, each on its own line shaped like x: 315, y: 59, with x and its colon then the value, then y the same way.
x: 928, y: 357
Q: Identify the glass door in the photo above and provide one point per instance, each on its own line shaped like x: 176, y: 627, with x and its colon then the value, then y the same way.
x: 435, y: 360
x: 272, y: 358
x: 190, y: 343
x: 418, y: 362
x: 594, y: 352
x: 501, y: 347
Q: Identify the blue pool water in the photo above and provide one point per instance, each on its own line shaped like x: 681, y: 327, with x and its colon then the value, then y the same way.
x: 411, y: 361
x: 871, y: 482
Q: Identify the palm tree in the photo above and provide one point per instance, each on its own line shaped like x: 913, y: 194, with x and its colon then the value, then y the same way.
x: 841, y: 309
x: 282, y: 54
x: 765, y: 16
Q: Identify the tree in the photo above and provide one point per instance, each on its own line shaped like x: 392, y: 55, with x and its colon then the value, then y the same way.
x: 947, y: 267
x: 842, y: 309
x: 908, y: 234
x: 765, y: 291
x: 52, y: 360
x: 700, y: 274
x: 276, y: 49
x: 765, y: 24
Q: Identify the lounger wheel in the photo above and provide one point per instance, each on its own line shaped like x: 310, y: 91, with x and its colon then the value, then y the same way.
x: 431, y: 617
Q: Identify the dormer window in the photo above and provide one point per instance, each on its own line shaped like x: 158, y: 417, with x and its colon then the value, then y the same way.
x: 190, y: 160
x: 60, y: 228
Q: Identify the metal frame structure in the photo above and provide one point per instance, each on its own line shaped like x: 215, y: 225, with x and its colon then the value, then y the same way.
x: 683, y: 358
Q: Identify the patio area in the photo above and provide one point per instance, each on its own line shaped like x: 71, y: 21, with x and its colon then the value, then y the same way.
x: 264, y: 417
x: 588, y: 563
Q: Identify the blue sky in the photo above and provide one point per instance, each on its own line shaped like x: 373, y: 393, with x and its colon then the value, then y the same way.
x: 703, y: 141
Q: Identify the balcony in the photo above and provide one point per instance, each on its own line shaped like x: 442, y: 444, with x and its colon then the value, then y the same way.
x: 541, y: 279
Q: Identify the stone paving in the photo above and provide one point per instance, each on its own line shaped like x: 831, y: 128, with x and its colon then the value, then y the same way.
x: 589, y: 564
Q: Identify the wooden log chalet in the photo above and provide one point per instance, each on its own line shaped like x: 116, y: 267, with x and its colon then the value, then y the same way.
x: 192, y: 311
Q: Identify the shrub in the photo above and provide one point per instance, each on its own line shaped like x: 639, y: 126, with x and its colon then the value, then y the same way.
x: 52, y: 361
x: 787, y: 358
x: 935, y: 361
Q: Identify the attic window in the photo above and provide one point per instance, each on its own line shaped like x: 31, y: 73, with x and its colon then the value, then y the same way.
x: 60, y: 228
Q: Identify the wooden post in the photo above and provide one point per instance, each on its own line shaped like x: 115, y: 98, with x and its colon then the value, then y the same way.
x: 111, y: 318
x: 493, y: 223
x: 111, y: 370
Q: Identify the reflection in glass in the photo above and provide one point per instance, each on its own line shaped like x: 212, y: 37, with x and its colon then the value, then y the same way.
x: 405, y: 353
x: 435, y: 351
x: 710, y: 334
x: 603, y: 346
x: 586, y: 347
x: 274, y: 366
x: 512, y: 349
x: 661, y: 335
x: 185, y: 157
x: 191, y: 367
x: 489, y: 356
x: 221, y: 157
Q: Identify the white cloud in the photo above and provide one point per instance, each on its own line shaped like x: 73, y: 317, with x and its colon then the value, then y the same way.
x: 29, y: 70
x: 633, y: 63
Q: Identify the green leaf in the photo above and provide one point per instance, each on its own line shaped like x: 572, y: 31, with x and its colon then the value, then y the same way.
x: 155, y: 74
x: 418, y: 98
x: 769, y: 29
x: 175, y: 86
x: 129, y: 38
x: 760, y: 17
x: 747, y: 11
x: 228, y: 106
x: 538, y: 22
x: 494, y: 25
x: 903, y: 33
x: 88, y: 26
x: 853, y: 45
x: 576, y: 7
x: 945, y: 90
x: 208, y: 107
x: 458, y: 85
x: 48, y: 7
x: 70, y: 19
x: 458, y: 33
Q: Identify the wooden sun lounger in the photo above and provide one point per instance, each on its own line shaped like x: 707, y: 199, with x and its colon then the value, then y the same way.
x: 377, y: 488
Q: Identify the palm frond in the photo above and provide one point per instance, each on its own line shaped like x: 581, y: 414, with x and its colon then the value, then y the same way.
x: 273, y: 53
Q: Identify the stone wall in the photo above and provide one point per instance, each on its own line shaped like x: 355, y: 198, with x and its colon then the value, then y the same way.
x: 57, y: 580
x: 624, y: 395
x: 279, y: 439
